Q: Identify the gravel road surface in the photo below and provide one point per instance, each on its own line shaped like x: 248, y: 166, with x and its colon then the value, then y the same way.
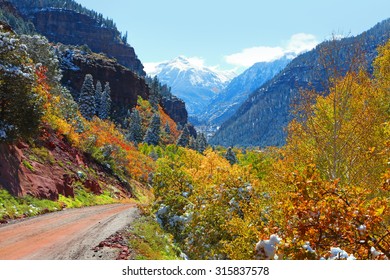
x: 69, y: 234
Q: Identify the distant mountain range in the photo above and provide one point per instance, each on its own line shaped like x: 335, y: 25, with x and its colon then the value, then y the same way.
x: 225, y: 104
x: 213, y: 96
x: 261, y: 120
x: 193, y: 83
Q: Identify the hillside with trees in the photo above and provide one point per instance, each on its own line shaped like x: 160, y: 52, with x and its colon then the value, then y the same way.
x: 263, y: 118
x: 324, y: 194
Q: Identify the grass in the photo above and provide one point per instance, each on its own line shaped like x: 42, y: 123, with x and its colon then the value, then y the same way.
x: 150, y: 242
x: 14, y: 207
x: 21, y: 207
x: 28, y: 165
x: 84, y: 198
x: 41, y: 155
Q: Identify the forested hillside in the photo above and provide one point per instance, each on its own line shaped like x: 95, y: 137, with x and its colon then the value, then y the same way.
x: 263, y: 117
x: 324, y: 195
x: 77, y: 129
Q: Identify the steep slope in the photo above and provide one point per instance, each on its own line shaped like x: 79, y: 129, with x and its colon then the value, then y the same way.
x: 125, y: 85
x: 10, y: 15
x: 53, y: 167
x: 262, y: 118
x: 193, y: 83
x: 69, y: 23
x: 79, y: 27
x: 225, y: 104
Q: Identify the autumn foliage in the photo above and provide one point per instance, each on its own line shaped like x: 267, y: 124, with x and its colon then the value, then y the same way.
x: 325, y: 194
x: 325, y: 191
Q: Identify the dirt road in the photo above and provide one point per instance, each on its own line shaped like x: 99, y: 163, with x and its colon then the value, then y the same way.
x: 70, y: 234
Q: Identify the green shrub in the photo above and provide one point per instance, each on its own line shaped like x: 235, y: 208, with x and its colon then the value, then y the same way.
x: 150, y: 242
x: 28, y: 165
x: 19, y: 207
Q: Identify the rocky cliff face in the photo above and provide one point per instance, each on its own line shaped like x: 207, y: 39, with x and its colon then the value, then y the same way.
x: 72, y: 28
x: 176, y: 109
x: 117, y: 62
x: 51, y: 169
x: 125, y: 85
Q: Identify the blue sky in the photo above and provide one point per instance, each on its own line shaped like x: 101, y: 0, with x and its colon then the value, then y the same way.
x: 235, y: 34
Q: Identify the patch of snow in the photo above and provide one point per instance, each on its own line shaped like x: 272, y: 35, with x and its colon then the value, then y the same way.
x: 267, y: 248
x: 362, y: 228
x: 184, y: 257
x: 185, y: 194
x: 375, y: 253
x: 337, y: 254
x: 3, y: 134
x: 308, y: 248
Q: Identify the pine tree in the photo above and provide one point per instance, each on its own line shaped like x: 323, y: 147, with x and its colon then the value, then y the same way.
x: 98, y: 97
x: 167, y: 128
x: 201, y: 143
x: 135, y: 128
x: 87, y: 98
x: 192, y: 143
x: 105, y: 105
x: 155, y: 95
x: 184, y: 138
x: 230, y: 155
x: 152, y: 136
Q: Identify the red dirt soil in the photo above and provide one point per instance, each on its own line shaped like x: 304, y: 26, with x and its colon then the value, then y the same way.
x: 68, y: 234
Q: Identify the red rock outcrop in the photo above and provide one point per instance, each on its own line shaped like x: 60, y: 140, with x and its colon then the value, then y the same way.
x: 22, y: 175
x: 93, y: 186
x: 37, y: 180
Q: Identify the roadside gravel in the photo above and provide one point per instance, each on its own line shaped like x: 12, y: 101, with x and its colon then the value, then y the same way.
x: 68, y: 235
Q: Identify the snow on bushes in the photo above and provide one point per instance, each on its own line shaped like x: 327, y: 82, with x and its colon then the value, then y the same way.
x: 266, y: 249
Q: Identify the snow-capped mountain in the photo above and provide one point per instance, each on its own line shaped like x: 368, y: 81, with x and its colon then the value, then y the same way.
x: 191, y: 81
x: 225, y: 104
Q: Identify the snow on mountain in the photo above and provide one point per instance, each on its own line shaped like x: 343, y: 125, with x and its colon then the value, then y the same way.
x: 225, y: 104
x: 190, y: 80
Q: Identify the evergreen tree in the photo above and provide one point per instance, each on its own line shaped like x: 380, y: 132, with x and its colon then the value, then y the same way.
x: 124, y: 38
x: 184, y: 138
x: 192, y: 143
x: 87, y: 98
x: 105, y: 105
x: 230, y: 155
x: 152, y: 136
x: 201, y: 143
x: 167, y: 128
x: 135, y: 128
x: 98, y: 97
x: 21, y: 107
x: 155, y: 96
x: 42, y: 53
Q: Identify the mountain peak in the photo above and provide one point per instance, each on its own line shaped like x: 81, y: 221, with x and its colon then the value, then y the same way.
x: 191, y: 80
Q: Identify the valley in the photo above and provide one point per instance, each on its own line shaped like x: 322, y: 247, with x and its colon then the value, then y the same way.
x: 105, y: 156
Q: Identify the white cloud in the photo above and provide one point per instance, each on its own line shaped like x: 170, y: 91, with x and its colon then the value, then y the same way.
x: 301, y: 42
x: 297, y: 44
x: 247, y: 57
